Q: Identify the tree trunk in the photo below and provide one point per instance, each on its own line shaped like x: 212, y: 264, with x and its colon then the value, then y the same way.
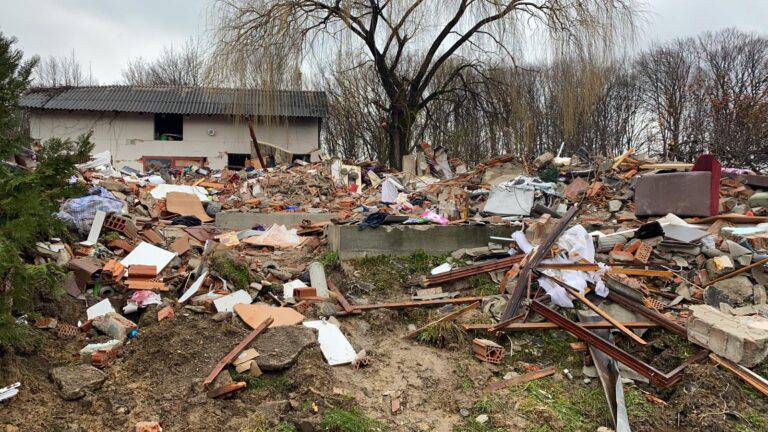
x: 399, y: 130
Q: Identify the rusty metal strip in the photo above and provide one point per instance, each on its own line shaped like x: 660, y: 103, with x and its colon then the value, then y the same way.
x: 513, y: 304
x: 526, y: 326
x: 658, y: 378
x: 471, y: 270
x: 651, y: 314
x: 236, y: 350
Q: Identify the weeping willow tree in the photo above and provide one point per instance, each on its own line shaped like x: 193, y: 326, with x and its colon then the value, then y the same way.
x: 408, y: 43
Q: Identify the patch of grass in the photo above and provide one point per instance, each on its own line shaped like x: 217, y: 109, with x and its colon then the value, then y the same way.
x: 387, y: 272
x: 257, y: 423
x: 561, y: 406
x: 233, y: 271
x: 276, y: 384
x: 342, y: 420
x: 637, y: 405
x: 330, y: 260
x: 549, y: 345
x: 442, y: 334
x: 110, y: 236
x: 484, y: 406
x: 483, y: 285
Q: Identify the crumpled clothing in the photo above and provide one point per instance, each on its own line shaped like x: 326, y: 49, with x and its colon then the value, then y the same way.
x: 389, y: 191
x: 434, y: 217
x: 277, y: 236
x: 189, y: 221
x: 373, y: 220
x: 142, y: 298
x: 81, y: 211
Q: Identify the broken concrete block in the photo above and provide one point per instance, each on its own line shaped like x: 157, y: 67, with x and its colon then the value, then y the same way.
x: 88, y: 350
x: 279, y: 347
x: 734, y: 291
x: 75, y: 380
x: 759, y: 199
x: 114, y: 325
x: 719, y: 266
x: 614, y: 206
x: 743, y: 340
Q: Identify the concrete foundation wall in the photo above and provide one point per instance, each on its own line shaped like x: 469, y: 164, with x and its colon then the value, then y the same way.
x: 352, y: 243
x: 241, y: 220
x: 129, y: 136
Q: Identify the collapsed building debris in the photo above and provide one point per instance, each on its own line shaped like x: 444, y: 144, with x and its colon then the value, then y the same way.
x: 244, y: 247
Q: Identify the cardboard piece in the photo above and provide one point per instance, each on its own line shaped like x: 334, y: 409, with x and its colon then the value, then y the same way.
x: 255, y: 314
x: 185, y: 204
x: 181, y: 245
x: 148, y: 254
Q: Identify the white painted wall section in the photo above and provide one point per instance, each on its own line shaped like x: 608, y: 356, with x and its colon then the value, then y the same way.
x: 129, y: 136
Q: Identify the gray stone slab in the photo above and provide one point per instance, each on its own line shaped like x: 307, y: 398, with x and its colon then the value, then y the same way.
x: 244, y: 220
x: 352, y: 243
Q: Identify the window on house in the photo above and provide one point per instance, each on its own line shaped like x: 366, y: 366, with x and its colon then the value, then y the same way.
x: 236, y: 161
x: 169, y: 127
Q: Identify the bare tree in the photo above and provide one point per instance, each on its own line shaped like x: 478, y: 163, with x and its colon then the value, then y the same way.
x: 408, y: 43
x: 175, y: 66
x: 62, y: 71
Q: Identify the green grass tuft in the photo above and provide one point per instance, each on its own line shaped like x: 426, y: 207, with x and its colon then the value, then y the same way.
x: 225, y: 265
x: 341, y: 420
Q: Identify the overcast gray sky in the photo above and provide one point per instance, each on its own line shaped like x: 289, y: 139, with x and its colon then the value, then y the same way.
x: 106, y: 33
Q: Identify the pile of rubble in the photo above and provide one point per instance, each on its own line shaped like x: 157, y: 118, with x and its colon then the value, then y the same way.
x: 600, y: 248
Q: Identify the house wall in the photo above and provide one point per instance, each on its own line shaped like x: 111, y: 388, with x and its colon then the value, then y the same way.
x: 130, y: 136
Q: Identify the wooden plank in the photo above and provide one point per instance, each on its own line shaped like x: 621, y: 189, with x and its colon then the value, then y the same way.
x: 339, y: 296
x: 520, y: 379
x: 236, y: 351
x: 145, y: 285
x: 552, y: 326
x: 572, y: 291
x: 759, y: 383
x: 621, y: 158
x: 226, y: 389
x: 450, y: 316
x: 664, y: 166
x: 735, y: 272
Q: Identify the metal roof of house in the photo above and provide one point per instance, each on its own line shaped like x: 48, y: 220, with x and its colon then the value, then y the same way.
x: 179, y: 100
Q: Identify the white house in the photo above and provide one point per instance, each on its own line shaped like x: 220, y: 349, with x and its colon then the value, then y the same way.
x: 177, y: 127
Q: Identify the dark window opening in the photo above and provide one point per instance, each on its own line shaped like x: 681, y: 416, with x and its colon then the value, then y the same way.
x: 169, y: 127
x: 236, y: 161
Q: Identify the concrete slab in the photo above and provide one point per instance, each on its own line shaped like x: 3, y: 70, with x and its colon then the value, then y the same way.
x: 352, y: 243
x: 244, y: 220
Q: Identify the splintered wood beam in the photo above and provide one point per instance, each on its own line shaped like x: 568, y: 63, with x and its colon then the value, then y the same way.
x: 236, y: 351
x: 520, y: 379
x: 450, y: 316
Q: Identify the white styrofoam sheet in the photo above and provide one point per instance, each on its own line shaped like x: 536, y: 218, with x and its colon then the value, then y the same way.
x: 227, y: 303
x: 335, y: 346
x: 161, y: 190
x: 148, y: 254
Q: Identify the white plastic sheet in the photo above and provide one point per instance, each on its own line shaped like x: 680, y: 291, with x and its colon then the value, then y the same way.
x: 161, y: 190
x: 389, y: 191
x: 148, y: 254
x: 227, y: 303
x: 335, y: 347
